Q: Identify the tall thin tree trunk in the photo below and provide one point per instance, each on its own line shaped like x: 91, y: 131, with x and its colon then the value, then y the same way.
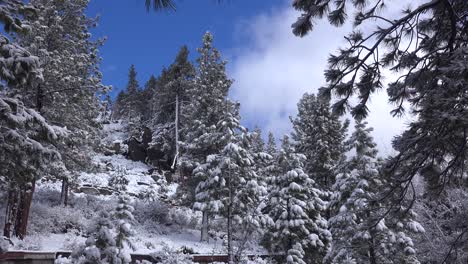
x: 64, y: 192
x: 176, y: 122
x: 10, y: 212
x: 204, y: 229
x: 229, y: 223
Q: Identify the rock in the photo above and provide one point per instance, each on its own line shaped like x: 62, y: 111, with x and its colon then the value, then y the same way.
x: 155, y: 156
x: 147, y: 137
x: 89, y: 190
x: 136, y: 150
x: 116, y: 147
x: 168, y: 176
x: 108, y: 152
x: 106, y: 191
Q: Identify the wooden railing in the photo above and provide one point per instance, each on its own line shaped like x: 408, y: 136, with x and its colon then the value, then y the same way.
x: 49, y: 257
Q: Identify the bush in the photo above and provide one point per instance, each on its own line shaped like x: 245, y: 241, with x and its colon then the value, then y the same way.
x: 57, y: 220
x: 31, y: 242
x: 170, y: 256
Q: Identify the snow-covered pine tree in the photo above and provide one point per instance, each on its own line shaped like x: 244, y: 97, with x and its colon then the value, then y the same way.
x: 25, y: 137
x: 168, y: 118
x: 118, y: 180
x: 319, y: 135
x: 69, y: 95
x: 271, y: 147
x: 258, y: 145
x: 296, y: 230
x: 123, y: 216
x: 362, y: 231
x: 128, y: 104
x: 108, y: 237
x: 26, y: 153
x: 100, y: 247
x: 424, y: 47
x: 205, y: 110
x: 147, y: 95
x: 230, y: 187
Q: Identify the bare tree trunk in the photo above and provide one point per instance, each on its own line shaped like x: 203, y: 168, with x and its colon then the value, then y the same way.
x: 17, y: 212
x: 229, y: 223
x: 176, y: 122
x: 25, y: 201
x: 64, y: 192
x: 204, y: 229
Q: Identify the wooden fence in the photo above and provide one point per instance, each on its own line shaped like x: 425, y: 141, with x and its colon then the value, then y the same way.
x: 31, y: 257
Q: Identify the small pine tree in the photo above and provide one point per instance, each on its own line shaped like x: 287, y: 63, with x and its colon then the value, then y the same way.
x: 271, y: 144
x: 119, y: 180
x: 100, y: 247
x: 296, y: 227
x: 124, y: 216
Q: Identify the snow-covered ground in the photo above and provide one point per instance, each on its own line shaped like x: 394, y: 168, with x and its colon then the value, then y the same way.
x: 158, y: 224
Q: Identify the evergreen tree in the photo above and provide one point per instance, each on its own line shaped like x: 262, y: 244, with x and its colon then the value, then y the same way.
x: 27, y: 152
x: 296, y: 227
x: 108, y: 236
x: 319, y: 135
x: 207, y: 107
x: 124, y: 216
x: 130, y: 107
x: 100, y: 247
x: 425, y: 47
x: 169, y: 103
x: 258, y: 145
x: 361, y: 230
x: 271, y: 144
x: 230, y: 187
x: 26, y: 138
x: 69, y: 95
x: 147, y: 95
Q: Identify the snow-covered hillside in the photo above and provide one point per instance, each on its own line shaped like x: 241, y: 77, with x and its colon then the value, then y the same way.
x: 159, y: 224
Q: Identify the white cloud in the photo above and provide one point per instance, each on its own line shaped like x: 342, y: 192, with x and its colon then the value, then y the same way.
x: 274, y: 69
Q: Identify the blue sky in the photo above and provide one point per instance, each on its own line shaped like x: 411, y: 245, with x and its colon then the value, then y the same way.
x: 150, y: 40
x: 271, y: 67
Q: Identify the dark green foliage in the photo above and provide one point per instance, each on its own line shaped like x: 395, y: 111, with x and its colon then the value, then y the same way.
x: 319, y: 135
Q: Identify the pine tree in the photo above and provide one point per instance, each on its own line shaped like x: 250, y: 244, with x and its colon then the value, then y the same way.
x: 361, y: 230
x: 69, y: 95
x: 169, y: 101
x: 319, y: 135
x: 100, y: 247
x: 230, y: 187
x: 147, y: 95
x: 25, y: 136
x: 425, y: 48
x: 108, y: 237
x: 271, y: 144
x: 27, y: 152
x: 129, y: 108
x: 258, y: 145
x: 208, y: 106
x: 124, y: 216
x: 296, y: 227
